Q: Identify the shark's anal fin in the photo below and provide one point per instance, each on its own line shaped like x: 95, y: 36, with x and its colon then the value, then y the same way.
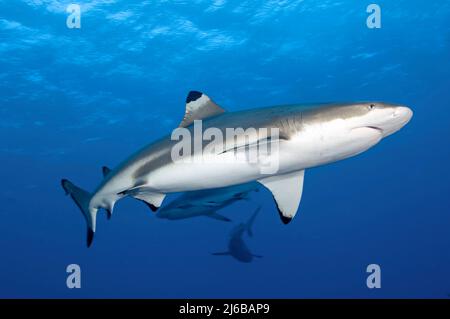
x: 106, y: 170
x: 199, y: 106
x: 287, y: 192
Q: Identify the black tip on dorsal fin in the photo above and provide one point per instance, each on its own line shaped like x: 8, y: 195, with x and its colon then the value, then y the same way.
x: 199, y: 107
x: 90, y: 237
x: 105, y: 170
x: 193, y: 96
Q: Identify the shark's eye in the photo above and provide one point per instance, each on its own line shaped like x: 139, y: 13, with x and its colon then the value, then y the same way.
x: 371, y: 106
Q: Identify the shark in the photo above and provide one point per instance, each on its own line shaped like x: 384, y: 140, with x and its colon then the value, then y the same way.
x: 236, y: 245
x: 307, y: 136
x: 206, y: 202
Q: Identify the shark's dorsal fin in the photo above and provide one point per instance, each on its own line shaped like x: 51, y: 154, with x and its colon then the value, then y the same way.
x: 198, y: 107
x: 287, y: 192
x: 106, y: 170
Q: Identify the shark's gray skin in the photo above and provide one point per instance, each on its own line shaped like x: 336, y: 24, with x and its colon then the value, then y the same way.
x: 236, y: 245
x: 205, y: 202
x: 309, y: 136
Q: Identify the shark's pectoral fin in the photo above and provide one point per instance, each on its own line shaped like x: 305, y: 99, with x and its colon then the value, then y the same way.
x: 199, y: 106
x: 106, y: 170
x: 287, y: 192
x: 219, y: 217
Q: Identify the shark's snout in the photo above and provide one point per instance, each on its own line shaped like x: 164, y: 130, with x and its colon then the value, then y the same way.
x: 404, y: 113
x: 400, y: 116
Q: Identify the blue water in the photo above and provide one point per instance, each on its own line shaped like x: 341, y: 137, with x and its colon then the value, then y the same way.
x: 73, y: 100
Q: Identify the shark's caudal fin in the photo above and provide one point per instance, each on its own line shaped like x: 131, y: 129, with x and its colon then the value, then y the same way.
x: 287, y: 192
x: 251, y: 221
x: 82, y: 198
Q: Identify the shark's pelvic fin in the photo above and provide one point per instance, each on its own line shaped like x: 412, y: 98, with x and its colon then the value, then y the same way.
x: 199, y: 106
x: 219, y: 217
x: 152, y: 200
x: 287, y: 192
x: 106, y: 170
x: 82, y: 199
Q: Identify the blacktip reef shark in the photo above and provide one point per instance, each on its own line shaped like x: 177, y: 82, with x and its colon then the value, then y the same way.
x: 236, y: 245
x: 309, y: 136
x: 206, y: 202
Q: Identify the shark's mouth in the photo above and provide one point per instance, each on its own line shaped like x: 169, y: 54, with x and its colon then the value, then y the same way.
x: 370, y: 127
x: 375, y: 128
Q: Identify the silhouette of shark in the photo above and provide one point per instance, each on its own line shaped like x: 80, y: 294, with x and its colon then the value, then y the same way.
x: 236, y: 245
x: 206, y: 202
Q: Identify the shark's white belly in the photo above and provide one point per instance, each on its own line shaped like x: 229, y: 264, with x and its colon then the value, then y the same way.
x: 313, y: 147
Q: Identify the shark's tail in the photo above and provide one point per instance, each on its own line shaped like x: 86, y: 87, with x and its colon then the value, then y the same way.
x: 251, y: 221
x: 82, y: 199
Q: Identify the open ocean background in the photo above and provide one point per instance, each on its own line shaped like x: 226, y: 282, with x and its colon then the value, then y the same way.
x: 73, y: 100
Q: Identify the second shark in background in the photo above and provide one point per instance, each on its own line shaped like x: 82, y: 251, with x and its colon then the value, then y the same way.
x: 206, y: 202
x: 236, y: 245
